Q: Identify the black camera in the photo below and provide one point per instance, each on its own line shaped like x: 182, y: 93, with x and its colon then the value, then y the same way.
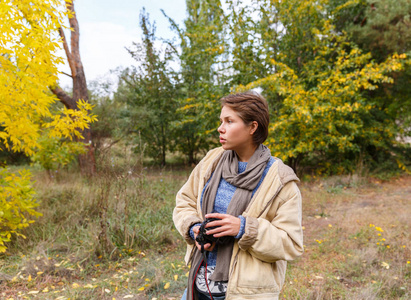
x: 202, y: 237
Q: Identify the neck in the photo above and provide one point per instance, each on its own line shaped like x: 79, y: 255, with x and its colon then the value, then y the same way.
x: 245, y: 154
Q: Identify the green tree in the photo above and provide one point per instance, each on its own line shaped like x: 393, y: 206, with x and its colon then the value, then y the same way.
x: 251, y: 50
x: 266, y: 30
x: 112, y: 127
x: 148, y: 91
x: 384, y: 29
x: 203, y: 59
x: 327, y: 118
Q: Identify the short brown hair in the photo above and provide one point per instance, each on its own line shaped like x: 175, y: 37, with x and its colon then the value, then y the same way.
x: 250, y: 106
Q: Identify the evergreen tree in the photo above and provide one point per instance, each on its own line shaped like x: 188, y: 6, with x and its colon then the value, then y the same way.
x: 148, y: 91
x: 202, y: 75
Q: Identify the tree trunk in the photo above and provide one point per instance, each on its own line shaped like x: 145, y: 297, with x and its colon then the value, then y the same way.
x: 87, y: 161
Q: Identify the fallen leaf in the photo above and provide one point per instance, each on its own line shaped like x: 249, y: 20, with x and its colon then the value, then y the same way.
x: 33, y: 292
x: 175, y: 277
x: 141, y: 289
x: 167, y: 285
x: 128, y: 296
x: 107, y: 291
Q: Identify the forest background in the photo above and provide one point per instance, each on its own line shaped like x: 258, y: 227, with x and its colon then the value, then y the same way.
x: 336, y: 75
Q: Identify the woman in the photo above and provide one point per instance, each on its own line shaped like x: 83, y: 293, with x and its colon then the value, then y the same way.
x: 256, y: 202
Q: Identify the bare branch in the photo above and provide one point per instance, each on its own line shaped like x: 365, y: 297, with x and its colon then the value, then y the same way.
x: 67, y: 50
x: 64, y: 73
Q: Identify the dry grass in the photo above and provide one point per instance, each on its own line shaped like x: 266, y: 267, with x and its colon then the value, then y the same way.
x: 357, y: 242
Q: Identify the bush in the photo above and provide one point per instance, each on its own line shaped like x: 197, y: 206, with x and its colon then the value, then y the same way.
x: 17, y: 201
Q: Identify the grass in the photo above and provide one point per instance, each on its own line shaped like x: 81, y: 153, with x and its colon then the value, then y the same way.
x: 357, y: 243
x: 112, y: 237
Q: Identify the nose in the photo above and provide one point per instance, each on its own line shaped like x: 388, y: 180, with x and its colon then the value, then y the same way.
x: 220, y: 128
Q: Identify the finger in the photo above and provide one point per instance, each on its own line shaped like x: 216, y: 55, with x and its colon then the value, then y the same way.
x: 211, y: 248
x: 227, y: 219
x: 214, y: 224
x: 215, y: 215
x: 232, y: 222
x: 216, y: 230
x: 229, y: 229
x: 225, y: 233
x: 198, y: 246
x: 207, y: 247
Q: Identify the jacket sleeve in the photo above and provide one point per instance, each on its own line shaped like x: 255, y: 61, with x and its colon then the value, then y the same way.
x: 185, y: 213
x: 282, y: 237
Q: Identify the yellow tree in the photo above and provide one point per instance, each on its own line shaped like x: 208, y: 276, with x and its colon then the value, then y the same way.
x: 28, y: 66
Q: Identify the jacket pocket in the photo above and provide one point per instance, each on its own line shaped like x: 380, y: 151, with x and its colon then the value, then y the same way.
x: 255, y: 274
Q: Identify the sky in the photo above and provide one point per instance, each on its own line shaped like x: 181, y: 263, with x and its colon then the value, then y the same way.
x: 107, y: 27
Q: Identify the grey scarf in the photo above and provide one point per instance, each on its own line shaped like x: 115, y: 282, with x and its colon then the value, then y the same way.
x: 245, y: 183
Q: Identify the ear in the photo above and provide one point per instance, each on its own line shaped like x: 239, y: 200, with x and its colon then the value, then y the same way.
x: 253, y: 127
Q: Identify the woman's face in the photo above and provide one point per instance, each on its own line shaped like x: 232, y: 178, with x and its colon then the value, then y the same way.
x: 234, y: 133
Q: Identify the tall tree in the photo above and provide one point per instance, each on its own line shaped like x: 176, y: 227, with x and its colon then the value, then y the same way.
x: 148, y: 91
x: 264, y: 31
x: 251, y: 52
x: 202, y: 57
x: 384, y: 29
x: 87, y: 161
x: 329, y: 114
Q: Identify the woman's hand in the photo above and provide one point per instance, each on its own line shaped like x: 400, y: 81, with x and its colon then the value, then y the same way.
x: 228, y: 225
x: 208, y: 246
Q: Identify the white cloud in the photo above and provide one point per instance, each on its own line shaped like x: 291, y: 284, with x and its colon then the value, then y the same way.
x: 102, y: 47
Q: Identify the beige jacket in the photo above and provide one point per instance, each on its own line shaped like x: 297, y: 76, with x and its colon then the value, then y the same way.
x: 273, y: 232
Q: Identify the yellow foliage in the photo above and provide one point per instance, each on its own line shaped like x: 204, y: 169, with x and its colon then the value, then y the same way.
x: 28, y: 67
x: 16, y: 200
x: 323, y: 108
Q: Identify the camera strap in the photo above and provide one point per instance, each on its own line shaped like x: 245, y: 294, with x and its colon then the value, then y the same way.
x: 205, y: 270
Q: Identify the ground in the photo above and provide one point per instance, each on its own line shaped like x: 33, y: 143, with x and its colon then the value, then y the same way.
x: 356, y: 239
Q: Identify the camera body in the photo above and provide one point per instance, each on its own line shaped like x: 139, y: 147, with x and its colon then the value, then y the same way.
x: 202, y: 237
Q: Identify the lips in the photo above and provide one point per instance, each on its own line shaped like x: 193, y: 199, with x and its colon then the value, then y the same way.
x: 222, y: 140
